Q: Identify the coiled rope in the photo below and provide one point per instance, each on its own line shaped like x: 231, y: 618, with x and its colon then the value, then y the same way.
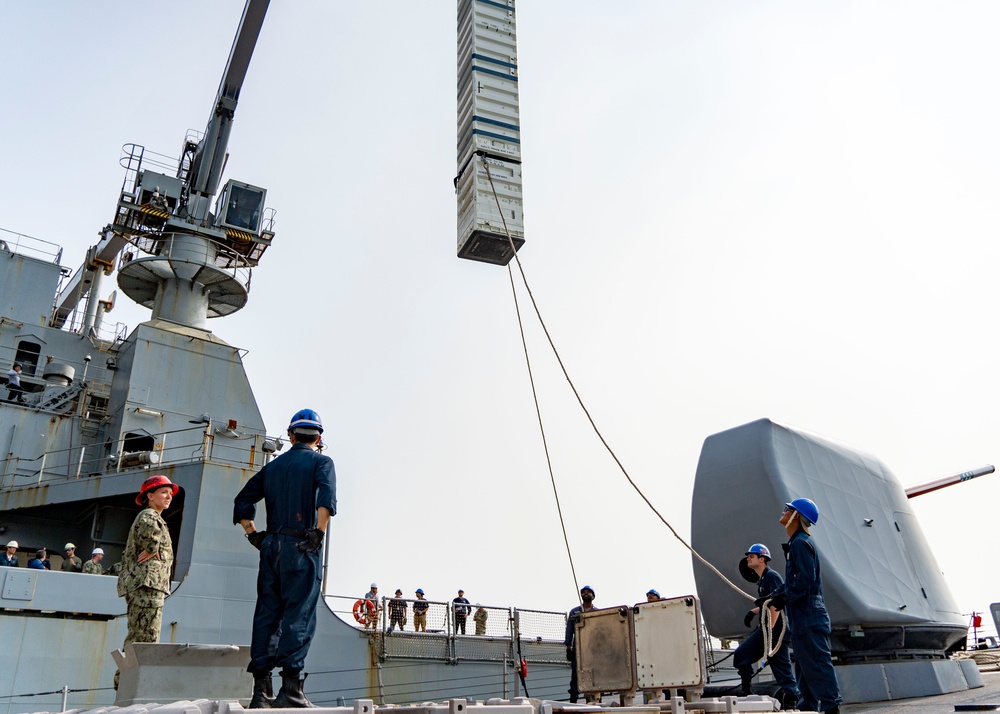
x: 768, y: 622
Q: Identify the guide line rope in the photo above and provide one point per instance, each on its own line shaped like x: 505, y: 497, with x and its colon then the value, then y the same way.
x: 768, y: 622
x: 579, y: 401
x: 541, y: 426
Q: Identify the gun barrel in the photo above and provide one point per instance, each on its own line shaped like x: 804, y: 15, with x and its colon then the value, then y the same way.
x: 940, y: 483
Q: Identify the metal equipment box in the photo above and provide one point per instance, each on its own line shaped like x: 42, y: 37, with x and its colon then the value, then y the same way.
x: 605, y: 650
x: 652, y: 646
x: 668, y: 652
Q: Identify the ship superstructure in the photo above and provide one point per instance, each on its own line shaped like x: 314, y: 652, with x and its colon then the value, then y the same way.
x: 104, y: 406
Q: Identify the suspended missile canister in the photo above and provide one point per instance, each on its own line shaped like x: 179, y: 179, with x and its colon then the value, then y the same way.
x: 488, y: 182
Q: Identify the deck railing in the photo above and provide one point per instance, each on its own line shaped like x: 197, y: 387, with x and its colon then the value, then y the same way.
x: 508, y: 634
x: 202, y: 443
x: 27, y: 245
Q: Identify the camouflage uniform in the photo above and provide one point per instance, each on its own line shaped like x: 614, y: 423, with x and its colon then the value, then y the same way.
x: 480, y: 618
x: 92, y: 568
x: 145, y: 585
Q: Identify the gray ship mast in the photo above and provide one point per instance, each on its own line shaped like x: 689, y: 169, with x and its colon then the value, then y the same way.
x: 199, y: 261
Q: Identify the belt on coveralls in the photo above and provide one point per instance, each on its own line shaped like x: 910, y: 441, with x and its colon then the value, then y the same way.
x: 293, y: 532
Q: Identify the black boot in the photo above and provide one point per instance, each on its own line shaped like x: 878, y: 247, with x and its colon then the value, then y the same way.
x: 745, y: 689
x: 789, y: 701
x: 290, y: 695
x: 263, y: 692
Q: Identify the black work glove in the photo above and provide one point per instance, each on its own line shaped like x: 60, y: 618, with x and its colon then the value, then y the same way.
x: 313, y: 541
x: 748, y: 618
x: 759, y: 602
x: 257, y: 538
x: 569, y: 654
x: 778, y: 602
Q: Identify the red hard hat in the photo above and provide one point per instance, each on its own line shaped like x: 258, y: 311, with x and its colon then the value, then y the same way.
x: 153, y: 483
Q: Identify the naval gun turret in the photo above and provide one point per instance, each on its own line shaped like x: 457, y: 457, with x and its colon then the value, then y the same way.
x: 894, y: 618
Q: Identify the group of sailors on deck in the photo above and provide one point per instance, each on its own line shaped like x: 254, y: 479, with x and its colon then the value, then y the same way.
x: 71, y: 562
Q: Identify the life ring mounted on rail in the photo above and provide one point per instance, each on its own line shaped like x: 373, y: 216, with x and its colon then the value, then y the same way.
x: 365, y: 612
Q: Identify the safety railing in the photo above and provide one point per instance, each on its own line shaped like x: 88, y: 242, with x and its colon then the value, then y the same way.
x: 104, y: 335
x: 27, y: 245
x: 982, y: 632
x: 492, y: 633
x: 217, y: 254
x: 87, y: 395
x: 211, y: 442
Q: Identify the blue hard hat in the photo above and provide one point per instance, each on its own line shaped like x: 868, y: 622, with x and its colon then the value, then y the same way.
x: 806, y: 508
x: 420, y: 591
x: 306, y: 421
x: 759, y: 549
x: 653, y: 592
x: 587, y: 587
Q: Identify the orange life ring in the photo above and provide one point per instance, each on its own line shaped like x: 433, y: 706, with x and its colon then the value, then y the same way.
x: 364, y: 611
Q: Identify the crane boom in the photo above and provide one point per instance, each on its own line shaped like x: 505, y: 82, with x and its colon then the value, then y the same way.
x: 200, y: 183
x: 210, y: 156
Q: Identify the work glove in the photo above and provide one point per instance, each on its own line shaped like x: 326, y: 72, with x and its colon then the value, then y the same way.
x: 313, y: 541
x: 759, y: 602
x: 748, y: 618
x: 256, y: 538
x: 569, y: 654
x: 778, y: 601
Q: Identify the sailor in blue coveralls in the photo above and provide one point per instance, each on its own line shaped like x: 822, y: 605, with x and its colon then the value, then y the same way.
x: 801, y: 596
x: 299, y: 491
x: 751, y: 650
x: 587, y: 604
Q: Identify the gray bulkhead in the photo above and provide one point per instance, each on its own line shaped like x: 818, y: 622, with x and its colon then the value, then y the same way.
x: 27, y: 285
x: 167, y: 376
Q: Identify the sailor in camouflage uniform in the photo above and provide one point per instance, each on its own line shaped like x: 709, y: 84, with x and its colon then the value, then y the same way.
x: 144, y: 579
x: 480, y: 619
x: 93, y: 566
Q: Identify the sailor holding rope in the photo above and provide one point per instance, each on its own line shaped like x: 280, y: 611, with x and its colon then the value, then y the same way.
x: 801, y: 596
x: 768, y: 639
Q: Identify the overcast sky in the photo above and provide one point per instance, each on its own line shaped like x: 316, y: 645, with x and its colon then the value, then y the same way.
x: 732, y: 211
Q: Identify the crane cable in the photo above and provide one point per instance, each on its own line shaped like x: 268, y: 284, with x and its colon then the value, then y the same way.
x: 579, y: 400
x: 538, y: 412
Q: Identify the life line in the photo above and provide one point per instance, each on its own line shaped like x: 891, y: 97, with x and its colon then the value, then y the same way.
x: 364, y: 611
